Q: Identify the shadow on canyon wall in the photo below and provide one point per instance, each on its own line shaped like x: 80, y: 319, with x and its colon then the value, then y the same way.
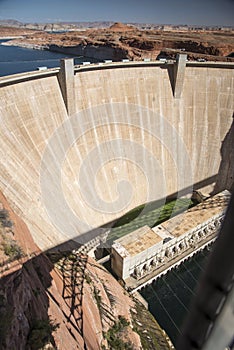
x: 24, y: 300
x: 225, y: 177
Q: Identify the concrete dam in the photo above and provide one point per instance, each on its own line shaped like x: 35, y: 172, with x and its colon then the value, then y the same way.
x: 83, y: 145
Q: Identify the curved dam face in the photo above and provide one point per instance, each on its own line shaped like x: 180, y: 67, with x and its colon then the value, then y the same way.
x: 80, y: 150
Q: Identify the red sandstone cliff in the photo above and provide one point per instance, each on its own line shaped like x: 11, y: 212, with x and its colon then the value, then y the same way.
x: 74, y: 304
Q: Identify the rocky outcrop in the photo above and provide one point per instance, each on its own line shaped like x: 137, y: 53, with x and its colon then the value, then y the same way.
x: 96, y: 52
x: 124, y: 41
x: 120, y: 27
x: 11, y: 32
x: 73, y: 303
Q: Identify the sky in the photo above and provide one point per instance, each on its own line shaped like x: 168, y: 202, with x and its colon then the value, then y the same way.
x: 191, y: 12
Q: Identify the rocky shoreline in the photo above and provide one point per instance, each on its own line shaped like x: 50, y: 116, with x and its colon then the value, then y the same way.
x: 24, y: 44
x: 94, y: 52
x: 11, y: 37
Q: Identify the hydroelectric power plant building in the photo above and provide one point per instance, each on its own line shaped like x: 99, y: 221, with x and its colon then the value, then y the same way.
x: 141, y: 256
x: 83, y: 145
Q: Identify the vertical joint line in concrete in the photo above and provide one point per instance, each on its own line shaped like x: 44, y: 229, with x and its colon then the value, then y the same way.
x: 179, y: 72
x: 67, y: 84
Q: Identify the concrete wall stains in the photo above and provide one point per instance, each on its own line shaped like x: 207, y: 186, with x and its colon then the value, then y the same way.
x: 121, y: 118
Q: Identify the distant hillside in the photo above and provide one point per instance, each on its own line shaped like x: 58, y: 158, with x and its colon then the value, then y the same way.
x: 10, y: 23
x: 74, y: 25
x: 57, y: 26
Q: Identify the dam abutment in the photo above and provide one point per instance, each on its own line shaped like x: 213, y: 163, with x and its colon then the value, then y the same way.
x: 67, y: 84
x: 179, y: 72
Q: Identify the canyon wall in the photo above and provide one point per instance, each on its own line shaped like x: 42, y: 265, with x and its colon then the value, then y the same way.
x: 94, y: 52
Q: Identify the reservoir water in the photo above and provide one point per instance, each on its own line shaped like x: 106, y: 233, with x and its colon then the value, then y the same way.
x: 14, y: 59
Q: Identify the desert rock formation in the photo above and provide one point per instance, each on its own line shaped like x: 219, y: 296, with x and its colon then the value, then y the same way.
x: 123, y: 41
